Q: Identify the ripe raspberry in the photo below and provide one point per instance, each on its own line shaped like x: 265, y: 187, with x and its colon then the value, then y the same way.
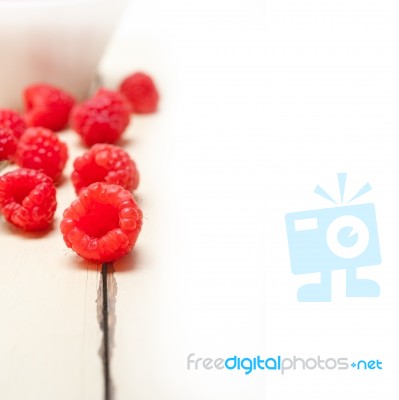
x: 27, y: 199
x: 103, y: 223
x: 103, y: 118
x: 141, y: 92
x: 11, y: 119
x: 47, y: 106
x: 8, y: 144
x: 40, y: 149
x: 105, y: 163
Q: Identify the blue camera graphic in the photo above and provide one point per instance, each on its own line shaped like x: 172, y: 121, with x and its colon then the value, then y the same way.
x: 342, y: 237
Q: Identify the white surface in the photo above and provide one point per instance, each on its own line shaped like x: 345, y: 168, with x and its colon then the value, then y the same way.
x: 49, y: 337
x: 261, y: 101
x: 57, y: 42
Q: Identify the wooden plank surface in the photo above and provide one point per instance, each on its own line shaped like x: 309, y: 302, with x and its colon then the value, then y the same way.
x: 192, y: 287
x: 49, y: 336
x: 245, y: 89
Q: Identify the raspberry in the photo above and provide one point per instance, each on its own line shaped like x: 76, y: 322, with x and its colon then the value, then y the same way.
x: 47, y: 106
x: 40, y: 149
x: 141, y: 92
x: 105, y: 163
x: 11, y: 119
x: 103, y: 223
x: 103, y: 118
x: 27, y: 199
x: 8, y: 144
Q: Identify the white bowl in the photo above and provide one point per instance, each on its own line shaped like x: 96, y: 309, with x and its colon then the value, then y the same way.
x: 54, y: 41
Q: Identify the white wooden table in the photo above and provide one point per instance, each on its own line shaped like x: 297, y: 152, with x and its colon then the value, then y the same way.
x: 257, y: 101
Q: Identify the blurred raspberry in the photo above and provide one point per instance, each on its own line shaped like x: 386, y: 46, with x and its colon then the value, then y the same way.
x: 101, y: 119
x: 103, y: 223
x: 141, y: 92
x: 27, y: 199
x: 47, y: 106
x: 40, y: 149
x: 105, y: 163
x: 8, y: 144
x: 11, y: 119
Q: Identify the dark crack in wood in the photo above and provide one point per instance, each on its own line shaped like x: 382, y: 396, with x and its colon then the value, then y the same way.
x: 106, y: 298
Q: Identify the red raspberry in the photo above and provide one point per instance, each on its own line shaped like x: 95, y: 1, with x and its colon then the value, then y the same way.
x: 27, y: 199
x: 141, y: 92
x: 105, y: 163
x: 11, y: 119
x: 47, y: 106
x: 103, y: 223
x: 8, y: 144
x: 40, y: 149
x: 103, y: 118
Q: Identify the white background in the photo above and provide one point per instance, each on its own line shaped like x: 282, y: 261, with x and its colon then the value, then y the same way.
x: 267, y: 100
x: 261, y: 101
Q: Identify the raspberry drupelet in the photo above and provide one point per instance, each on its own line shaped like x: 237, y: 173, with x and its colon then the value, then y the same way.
x: 40, y: 148
x: 101, y: 119
x: 105, y: 163
x: 27, y: 199
x: 103, y: 223
x: 47, y: 106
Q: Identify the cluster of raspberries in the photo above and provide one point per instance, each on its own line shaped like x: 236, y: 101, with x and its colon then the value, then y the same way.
x: 103, y: 223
